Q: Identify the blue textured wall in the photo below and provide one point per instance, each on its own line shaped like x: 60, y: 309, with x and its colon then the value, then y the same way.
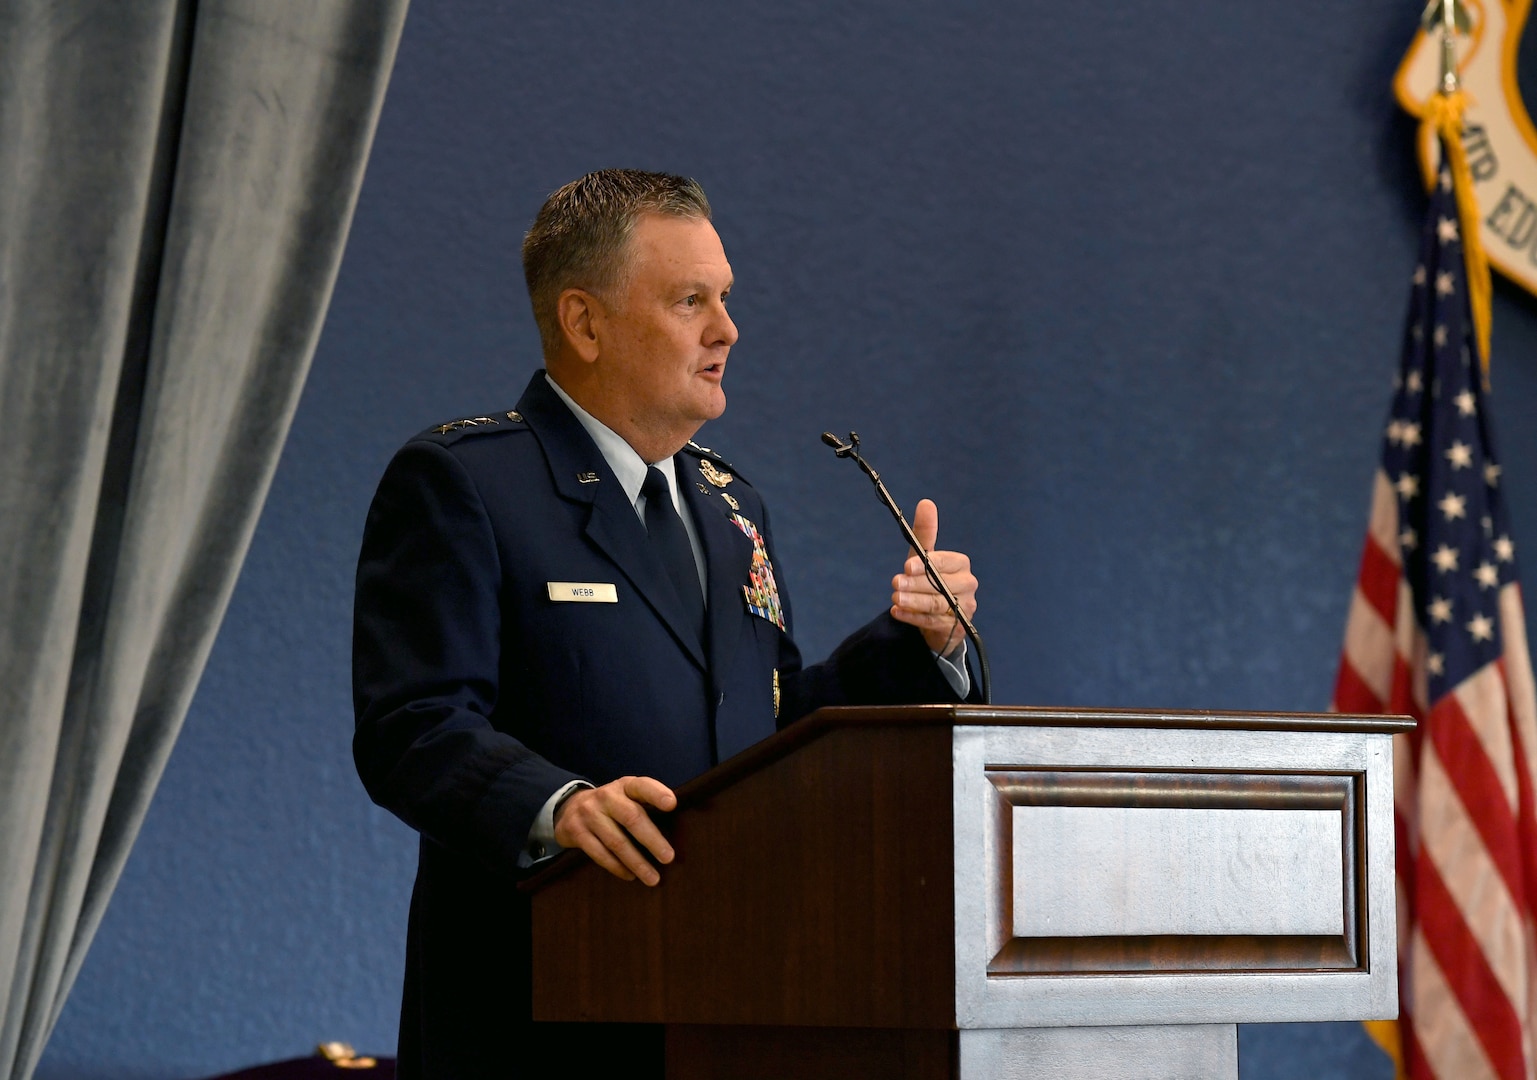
x: 1120, y: 285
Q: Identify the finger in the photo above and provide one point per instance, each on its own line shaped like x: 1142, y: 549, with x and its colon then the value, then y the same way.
x: 958, y: 582
x: 946, y: 562
x: 598, y: 853
x: 632, y: 817
x: 920, y: 603
x: 921, y: 596
x: 617, y: 841
x: 925, y: 620
x: 650, y: 837
x: 925, y: 526
x: 929, y: 610
x: 652, y: 792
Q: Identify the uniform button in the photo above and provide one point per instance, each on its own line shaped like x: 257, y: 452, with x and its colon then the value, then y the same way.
x: 538, y: 851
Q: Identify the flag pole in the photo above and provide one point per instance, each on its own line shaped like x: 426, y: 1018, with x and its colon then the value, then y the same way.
x: 1443, y: 116
x: 1450, y: 83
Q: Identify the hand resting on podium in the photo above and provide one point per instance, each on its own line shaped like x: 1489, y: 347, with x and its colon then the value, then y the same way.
x: 606, y: 822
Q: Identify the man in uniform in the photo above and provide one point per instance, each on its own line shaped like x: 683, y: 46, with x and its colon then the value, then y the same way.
x: 565, y: 608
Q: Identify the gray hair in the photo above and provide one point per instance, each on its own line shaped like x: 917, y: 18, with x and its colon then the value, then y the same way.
x: 581, y: 237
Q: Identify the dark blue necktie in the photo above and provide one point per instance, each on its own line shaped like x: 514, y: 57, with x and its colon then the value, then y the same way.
x: 670, y: 542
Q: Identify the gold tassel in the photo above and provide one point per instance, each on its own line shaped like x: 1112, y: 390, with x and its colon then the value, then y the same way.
x: 1385, y: 1034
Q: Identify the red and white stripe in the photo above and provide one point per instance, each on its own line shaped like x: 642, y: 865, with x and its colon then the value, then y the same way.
x: 1465, y: 825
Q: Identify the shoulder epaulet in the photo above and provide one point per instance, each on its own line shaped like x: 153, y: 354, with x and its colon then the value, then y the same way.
x: 716, y: 469
x: 475, y: 425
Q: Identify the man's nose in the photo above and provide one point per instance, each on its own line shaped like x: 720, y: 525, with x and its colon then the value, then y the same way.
x: 725, y: 330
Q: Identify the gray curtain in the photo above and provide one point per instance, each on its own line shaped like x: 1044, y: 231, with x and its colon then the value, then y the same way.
x: 176, y: 182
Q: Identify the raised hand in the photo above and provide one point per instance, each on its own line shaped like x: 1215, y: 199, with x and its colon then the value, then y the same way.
x: 915, y: 601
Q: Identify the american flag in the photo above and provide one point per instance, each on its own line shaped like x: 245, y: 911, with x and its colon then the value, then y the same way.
x: 1436, y: 630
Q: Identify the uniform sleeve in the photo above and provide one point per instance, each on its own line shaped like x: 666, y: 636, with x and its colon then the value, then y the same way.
x: 425, y: 660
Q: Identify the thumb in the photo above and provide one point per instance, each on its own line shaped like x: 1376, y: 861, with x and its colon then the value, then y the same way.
x: 925, y: 525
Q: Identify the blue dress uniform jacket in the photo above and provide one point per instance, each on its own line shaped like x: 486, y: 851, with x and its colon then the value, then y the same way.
x: 478, y: 696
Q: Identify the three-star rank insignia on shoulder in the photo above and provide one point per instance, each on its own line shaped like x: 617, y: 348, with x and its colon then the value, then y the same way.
x: 468, y: 422
x: 715, y: 476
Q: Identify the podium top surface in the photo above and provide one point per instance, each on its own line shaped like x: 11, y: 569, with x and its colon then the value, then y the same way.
x: 812, y: 727
x: 1055, y: 716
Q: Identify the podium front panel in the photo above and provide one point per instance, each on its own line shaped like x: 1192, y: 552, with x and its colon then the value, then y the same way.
x: 1172, y: 875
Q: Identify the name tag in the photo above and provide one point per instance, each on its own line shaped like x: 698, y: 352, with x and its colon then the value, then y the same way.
x: 583, y: 592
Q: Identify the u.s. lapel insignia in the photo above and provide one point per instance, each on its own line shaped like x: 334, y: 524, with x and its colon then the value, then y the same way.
x: 714, y: 475
x: 587, y: 478
x: 730, y: 501
x: 515, y: 417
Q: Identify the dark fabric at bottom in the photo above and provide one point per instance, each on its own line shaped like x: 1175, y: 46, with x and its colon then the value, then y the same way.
x: 468, y: 1005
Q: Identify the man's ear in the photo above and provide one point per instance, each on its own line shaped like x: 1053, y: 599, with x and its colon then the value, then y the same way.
x: 578, y: 312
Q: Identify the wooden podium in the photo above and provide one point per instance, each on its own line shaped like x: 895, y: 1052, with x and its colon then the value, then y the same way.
x: 939, y: 891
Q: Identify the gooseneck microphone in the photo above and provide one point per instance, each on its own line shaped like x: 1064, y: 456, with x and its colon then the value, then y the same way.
x: 850, y: 449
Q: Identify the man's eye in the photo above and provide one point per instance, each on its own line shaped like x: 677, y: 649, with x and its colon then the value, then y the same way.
x: 691, y: 301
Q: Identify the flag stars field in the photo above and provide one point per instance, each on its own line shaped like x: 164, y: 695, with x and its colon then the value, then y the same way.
x: 1481, y: 627
x: 1460, y: 454
x: 1453, y: 506
x: 1441, y: 609
x: 1445, y: 559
